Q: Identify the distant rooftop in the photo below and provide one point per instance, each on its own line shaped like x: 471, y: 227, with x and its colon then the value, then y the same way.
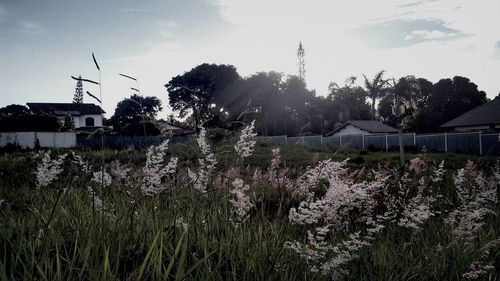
x: 372, y: 126
x: 485, y: 114
x: 73, y: 109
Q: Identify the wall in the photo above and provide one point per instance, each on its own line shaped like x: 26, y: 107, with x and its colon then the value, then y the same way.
x: 80, y: 120
x: 45, y: 139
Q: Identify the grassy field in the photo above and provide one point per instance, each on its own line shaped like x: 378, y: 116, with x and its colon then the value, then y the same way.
x: 275, y: 215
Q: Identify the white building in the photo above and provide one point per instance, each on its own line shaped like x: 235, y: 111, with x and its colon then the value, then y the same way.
x: 85, y: 115
x: 363, y: 127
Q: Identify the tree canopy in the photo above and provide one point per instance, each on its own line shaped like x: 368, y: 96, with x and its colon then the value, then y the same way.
x: 129, y: 115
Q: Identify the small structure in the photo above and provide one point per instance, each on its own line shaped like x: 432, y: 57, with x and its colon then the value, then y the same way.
x: 485, y: 117
x: 169, y: 129
x: 85, y: 115
x: 362, y: 127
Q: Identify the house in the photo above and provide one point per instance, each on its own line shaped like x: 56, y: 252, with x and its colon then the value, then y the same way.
x: 362, y: 127
x: 485, y: 117
x: 167, y: 128
x: 85, y: 115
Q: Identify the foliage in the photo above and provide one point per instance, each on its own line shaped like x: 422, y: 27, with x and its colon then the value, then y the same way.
x: 376, y: 88
x: 202, y: 92
x: 130, y: 114
x: 428, y: 105
x: 78, y: 97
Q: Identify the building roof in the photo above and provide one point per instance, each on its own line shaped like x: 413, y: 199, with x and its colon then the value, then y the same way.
x: 73, y: 109
x: 485, y: 114
x: 371, y: 126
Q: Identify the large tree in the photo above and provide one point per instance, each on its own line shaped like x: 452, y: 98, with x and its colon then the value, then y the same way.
x: 202, y: 91
x: 348, y: 102
x: 430, y: 105
x: 131, y: 112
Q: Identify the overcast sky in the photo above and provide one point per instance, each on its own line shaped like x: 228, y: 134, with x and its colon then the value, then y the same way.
x: 42, y: 43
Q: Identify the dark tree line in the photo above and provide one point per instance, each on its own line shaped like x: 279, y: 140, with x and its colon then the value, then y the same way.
x: 217, y: 96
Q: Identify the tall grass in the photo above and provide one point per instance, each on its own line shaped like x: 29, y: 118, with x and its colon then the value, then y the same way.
x: 182, y: 234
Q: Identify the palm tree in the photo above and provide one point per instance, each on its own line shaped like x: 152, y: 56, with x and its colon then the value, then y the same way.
x: 376, y: 88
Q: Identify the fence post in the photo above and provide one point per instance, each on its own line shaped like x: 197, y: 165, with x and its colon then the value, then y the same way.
x: 414, y: 140
x: 363, y: 140
x: 340, y: 140
x: 480, y: 144
x: 445, y: 143
x: 321, y: 139
x: 286, y: 139
x: 386, y: 143
x: 303, y: 140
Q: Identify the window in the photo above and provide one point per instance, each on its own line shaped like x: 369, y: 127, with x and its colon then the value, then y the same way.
x: 89, y: 122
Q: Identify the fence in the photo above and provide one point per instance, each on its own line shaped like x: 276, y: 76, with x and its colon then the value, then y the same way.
x: 467, y: 143
x: 43, y: 139
x: 124, y: 142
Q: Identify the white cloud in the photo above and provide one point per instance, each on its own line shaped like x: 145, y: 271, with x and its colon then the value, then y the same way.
x: 429, y: 35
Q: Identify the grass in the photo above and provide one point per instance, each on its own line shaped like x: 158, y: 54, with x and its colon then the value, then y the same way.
x: 49, y: 235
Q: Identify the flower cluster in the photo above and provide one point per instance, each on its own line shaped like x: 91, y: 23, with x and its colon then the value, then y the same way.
x: 481, y: 267
x: 49, y: 169
x: 477, y: 197
x: 245, y: 145
x: 241, y: 202
x: 102, y: 178
x: 207, y: 163
x: 155, y: 170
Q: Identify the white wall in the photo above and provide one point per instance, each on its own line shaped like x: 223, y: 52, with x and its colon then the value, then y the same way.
x: 80, y: 120
x: 351, y: 130
x: 46, y: 139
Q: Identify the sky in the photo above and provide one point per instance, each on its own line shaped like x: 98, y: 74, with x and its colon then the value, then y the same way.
x: 44, y: 42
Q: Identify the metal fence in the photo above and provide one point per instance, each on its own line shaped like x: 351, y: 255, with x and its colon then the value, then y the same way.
x: 125, y: 142
x: 42, y: 139
x: 468, y: 143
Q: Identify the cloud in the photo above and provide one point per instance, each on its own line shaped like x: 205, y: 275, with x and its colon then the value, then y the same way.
x: 31, y: 28
x: 167, y: 28
x: 417, y: 3
x: 432, y: 35
x: 403, y: 33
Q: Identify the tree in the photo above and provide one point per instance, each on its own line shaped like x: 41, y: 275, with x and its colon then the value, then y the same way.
x: 348, y: 102
x: 18, y: 118
x: 128, y: 115
x: 14, y: 110
x: 78, y: 97
x: 451, y: 98
x: 376, y: 88
x: 202, y: 92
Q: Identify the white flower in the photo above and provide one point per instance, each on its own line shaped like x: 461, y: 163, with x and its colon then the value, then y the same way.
x: 102, y: 178
x: 154, y: 170
x: 241, y: 202
x: 49, y: 169
x: 245, y: 145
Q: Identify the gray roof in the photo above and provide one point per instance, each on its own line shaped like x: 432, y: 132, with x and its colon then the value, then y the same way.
x: 73, y: 109
x: 485, y: 114
x: 372, y: 126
